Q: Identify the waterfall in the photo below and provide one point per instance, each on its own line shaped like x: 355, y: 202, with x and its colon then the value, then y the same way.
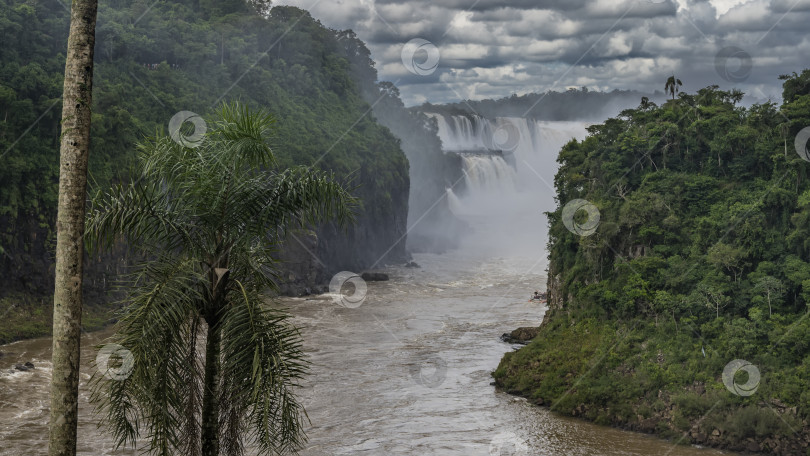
x: 488, y: 174
x: 506, y: 154
x: 455, y: 204
x: 461, y: 133
x: 508, y: 166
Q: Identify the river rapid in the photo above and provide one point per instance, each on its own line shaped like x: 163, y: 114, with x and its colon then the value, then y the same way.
x: 405, y: 372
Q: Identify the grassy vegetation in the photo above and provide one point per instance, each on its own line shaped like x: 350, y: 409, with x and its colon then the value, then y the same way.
x: 23, y: 316
x: 655, y: 379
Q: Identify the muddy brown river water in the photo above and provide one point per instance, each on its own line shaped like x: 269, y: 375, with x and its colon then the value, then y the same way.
x: 405, y: 372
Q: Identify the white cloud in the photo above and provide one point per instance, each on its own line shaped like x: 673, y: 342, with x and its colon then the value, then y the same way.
x: 723, y: 6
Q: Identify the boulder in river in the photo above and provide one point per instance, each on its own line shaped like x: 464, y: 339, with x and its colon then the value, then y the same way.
x: 522, y: 335
x: 374, y: 276
x: 412, y: 264
x: 24, y: 367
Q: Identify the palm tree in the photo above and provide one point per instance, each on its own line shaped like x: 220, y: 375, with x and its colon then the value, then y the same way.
x: 215, y: 365
x: 646, y: 104
x: 74, y: 150
x: 672, y: 86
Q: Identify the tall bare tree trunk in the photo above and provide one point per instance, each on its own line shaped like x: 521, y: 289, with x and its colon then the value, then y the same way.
x: 67, y: 299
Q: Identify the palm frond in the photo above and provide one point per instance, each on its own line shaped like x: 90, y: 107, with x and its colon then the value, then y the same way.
x: 196, y: 212
x: 142, y: 213
x: 163, y: 159
x: 295, y: 198
x: 155, y: 327
x: 254, y: 262
x: 241, y: 135
x: 262, y: 364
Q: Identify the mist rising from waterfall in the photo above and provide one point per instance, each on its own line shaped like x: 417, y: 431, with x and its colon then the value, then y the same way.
x: 508, y: 166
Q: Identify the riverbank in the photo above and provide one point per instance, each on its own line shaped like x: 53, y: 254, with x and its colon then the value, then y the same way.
x: 26, y: 317
x: 656, y: 380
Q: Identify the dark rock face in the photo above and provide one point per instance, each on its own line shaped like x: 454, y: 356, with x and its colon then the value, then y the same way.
x: 376, y: 239
x: 30, y: 270
x: 306, y: 264
x: 302, y: 273
x: 522, y: 335
x: 307, y: 260
x: 374, y: 276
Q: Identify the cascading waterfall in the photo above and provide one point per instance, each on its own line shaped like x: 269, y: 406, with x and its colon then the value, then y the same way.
x: 506, y: 155
x: 488, y: 174
x: 509, y: 165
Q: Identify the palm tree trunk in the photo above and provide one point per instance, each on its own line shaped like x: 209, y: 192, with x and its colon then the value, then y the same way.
x: 67, y: 300
x: 210, y: 410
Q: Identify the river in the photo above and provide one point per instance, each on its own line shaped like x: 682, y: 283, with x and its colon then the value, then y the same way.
x: 405, y: 372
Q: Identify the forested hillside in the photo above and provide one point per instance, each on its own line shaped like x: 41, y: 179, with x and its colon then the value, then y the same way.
x: 700, y: 257
x: 154, y: 59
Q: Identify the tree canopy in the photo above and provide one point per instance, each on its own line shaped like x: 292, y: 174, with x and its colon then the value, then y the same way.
x: 156, y: 59
x: 209, y: 218
x: 701, y: 257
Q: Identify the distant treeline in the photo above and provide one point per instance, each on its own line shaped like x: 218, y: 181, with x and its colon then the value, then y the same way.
x: 573, y: 104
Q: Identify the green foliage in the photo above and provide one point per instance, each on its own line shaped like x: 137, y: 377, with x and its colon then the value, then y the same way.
x: 154, y: 59
x: 25, y: 317
x: 210, y: 219
x: 795, y: 85
x: 700, y: 258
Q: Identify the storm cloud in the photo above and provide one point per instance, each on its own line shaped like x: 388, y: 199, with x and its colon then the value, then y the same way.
x: 495, y: 48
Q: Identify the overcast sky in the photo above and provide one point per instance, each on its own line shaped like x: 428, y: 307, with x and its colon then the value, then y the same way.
x: 493, y: 48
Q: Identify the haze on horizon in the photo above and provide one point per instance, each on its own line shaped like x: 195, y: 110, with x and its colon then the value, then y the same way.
x: 496, y: 48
